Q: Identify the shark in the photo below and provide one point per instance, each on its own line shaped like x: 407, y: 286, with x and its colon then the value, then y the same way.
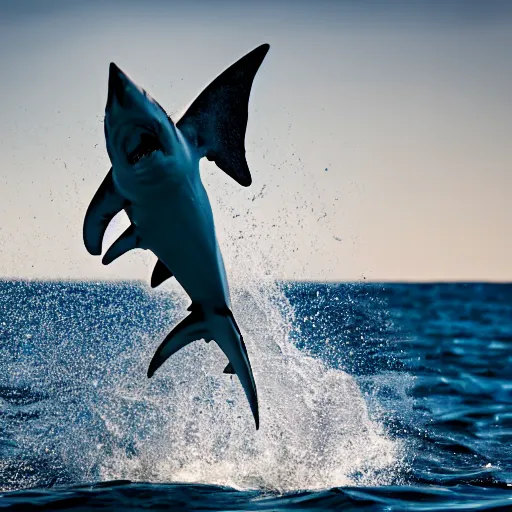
x: 155, y: 179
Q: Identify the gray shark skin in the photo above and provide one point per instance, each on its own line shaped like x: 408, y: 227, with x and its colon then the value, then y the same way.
x: 155, y: 179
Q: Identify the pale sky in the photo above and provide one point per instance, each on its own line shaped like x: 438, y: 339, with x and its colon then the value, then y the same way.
x: 379, y: 134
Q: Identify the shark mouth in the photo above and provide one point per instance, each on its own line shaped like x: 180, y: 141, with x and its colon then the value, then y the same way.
x: 148, y: 144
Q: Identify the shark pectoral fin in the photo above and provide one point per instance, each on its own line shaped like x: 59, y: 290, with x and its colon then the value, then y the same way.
x: 190, y: 329
x: 160, y: 274
x: 234, y: 349
x: 216, y: 121
x: 105, y: 205
x: 126, y: 242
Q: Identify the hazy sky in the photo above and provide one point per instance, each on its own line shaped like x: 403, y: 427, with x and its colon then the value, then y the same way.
x: 379, y: 134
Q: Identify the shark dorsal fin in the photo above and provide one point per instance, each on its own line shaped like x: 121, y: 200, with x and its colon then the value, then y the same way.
x: 216, y: 121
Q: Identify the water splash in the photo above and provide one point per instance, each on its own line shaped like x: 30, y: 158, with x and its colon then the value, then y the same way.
x: 77, y: 355
x: 80, y: 406
x: 315, y: 430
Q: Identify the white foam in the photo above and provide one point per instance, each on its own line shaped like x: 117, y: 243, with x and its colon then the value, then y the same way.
x: 315, y: 428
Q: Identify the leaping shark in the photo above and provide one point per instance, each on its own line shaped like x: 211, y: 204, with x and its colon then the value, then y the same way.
x: 155, y: 178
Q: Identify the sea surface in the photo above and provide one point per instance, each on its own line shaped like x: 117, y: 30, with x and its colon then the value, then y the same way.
x: 372, y: 397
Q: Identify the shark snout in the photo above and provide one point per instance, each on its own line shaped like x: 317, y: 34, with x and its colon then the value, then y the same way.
x: 117, y: 85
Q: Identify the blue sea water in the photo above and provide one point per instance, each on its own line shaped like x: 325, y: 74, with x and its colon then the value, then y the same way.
x: 372, y: 397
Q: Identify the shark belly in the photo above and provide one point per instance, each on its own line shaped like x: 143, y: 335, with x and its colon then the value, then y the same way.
x: 180, y: 231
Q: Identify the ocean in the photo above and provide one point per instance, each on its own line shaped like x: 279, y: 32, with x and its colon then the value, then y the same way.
x: 381, y: 397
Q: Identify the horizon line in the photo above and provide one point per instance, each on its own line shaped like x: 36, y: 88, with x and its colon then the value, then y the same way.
x: 284, y: 281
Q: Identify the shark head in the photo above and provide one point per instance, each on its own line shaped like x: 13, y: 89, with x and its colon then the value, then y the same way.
x: 139, y: 134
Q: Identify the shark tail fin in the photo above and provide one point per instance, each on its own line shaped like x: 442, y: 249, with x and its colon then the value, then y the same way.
x: 190, y: 329
x: 223, y: 329
x: 233, y: 346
